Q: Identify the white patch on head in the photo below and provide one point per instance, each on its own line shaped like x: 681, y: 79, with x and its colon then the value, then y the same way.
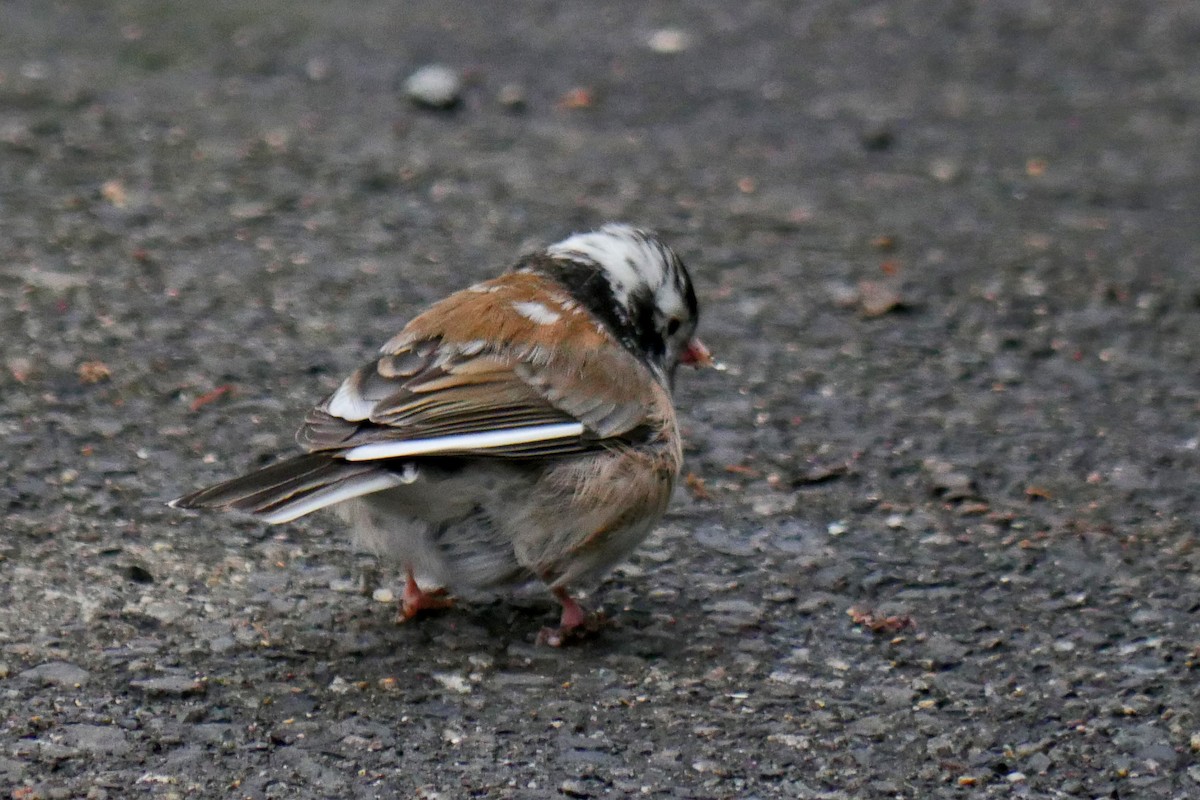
x: 623, y: 253
x: 670, y: 301
x: 536, y: 312
x: 349, y: 404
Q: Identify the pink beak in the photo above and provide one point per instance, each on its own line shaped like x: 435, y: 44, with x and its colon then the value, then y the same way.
x: 696, y: 354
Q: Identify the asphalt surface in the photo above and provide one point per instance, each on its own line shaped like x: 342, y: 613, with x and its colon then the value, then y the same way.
x: 941, y: 538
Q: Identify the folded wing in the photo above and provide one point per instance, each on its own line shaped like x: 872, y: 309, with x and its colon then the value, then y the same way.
x: 475, y: 376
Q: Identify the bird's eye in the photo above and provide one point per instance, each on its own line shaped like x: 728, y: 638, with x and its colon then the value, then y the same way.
x: 673, y: 326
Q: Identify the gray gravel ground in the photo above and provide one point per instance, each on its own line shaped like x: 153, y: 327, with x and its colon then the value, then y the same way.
x: 941, y: 542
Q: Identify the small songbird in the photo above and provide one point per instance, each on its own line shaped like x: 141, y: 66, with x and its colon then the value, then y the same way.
x: 520, y: 429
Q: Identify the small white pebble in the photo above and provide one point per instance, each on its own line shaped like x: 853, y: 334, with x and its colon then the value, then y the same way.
x: 344, y: 585
x: 35, y: 70
x: 453, y: 682
x: 790, y: 740
x: 383, y: 596
x: 317, y: 68
x: 433, y: 86
x: 512, y: 96
x: 944, y: 170
x: 668, y: 41
x: 837, y: 528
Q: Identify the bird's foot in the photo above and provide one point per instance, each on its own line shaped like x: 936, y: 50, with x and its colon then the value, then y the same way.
x: 416, y: 600
x: 575, y: 624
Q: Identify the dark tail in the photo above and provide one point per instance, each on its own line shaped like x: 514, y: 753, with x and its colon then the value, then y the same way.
x: 290, y: 489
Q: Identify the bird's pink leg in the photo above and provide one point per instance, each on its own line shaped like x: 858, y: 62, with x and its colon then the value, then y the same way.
x: 575, y: 622
x: 414, y: 600
x: 573, y: 614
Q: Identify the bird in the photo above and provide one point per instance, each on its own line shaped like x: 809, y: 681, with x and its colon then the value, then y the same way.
x: 522, y: 429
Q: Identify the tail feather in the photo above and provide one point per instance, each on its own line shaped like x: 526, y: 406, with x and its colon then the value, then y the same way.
x: 290, y: 489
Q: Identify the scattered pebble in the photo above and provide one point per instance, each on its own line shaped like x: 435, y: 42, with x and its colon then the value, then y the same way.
x: 872, y: 726
x: 434, y: 86
x: 947, y: 482
x: 512, y: 97
x: 99, y: 739
x: 841, y: 294
x: 770, y: 505
x: 167, y: 612
x: 669, y: 41
x: 943, y: 652
x: 383, y: 595
x: 172, y: 685
x: 577, y: 98
x: 734, y: 613
x: 721, y: 539
x: 945, y: 170
x: 875, y: 622
x: 249, y: 211
x: 1039, y: 763
x: 57, y: 673
x: 453, y: 681
x: 94, y: 372
x: 35, y: 70
x: 788, y: 678
x: 876, y: 298
x: 345, y: 585
x: 20, y: 368
x: 317, y: 69
x: 821, y: 473
x: 481, y: 660
x: 574, y: 788
x: 114, y: 192
x: 790, y: 740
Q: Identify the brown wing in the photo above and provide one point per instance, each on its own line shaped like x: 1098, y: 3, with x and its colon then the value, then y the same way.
x: 508, y: 368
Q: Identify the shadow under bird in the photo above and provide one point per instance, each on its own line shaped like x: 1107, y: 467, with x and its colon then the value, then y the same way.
x: 520, y: 429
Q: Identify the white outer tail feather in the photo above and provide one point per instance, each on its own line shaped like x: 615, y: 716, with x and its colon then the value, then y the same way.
x: 337, y: 493
x: 464, y: 441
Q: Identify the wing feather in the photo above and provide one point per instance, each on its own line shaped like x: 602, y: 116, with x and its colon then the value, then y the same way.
x: 536, y: 389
